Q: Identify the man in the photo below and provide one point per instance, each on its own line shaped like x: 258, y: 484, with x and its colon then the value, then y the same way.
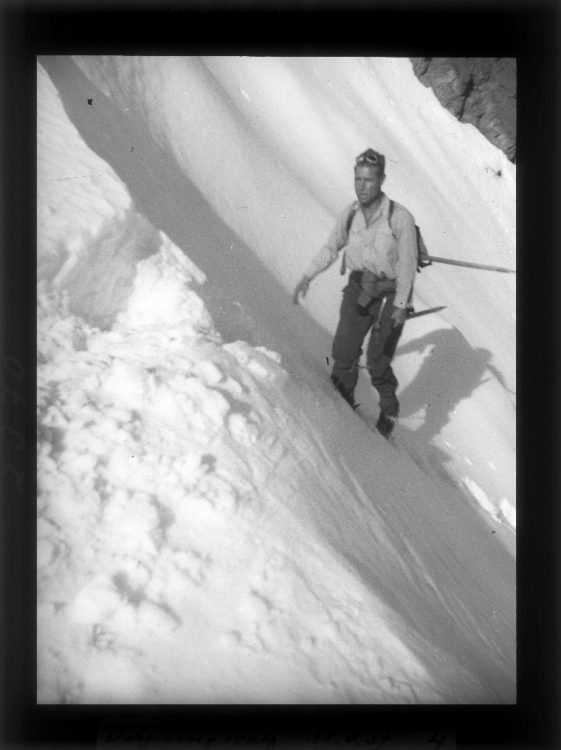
x: 378, y: 239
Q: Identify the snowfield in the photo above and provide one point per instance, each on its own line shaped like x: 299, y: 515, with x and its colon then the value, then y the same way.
x: 215, y: 525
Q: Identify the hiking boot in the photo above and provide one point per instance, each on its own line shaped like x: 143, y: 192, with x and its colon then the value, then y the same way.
x: 386, y: 423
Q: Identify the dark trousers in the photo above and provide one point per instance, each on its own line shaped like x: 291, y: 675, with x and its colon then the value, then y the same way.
x: 349, y: 338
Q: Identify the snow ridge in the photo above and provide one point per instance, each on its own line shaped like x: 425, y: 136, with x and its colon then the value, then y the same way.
x: 147, y: 489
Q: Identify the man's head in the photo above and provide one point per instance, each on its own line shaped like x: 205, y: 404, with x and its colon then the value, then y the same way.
x: 369, y: 176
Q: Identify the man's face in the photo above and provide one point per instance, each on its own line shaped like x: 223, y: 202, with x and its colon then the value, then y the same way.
x: 368, y: 184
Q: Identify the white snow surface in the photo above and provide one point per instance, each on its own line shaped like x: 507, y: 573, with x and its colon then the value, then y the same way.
x: 214, y: 524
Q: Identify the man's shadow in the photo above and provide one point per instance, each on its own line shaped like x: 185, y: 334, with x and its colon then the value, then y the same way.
x: 450, y: 372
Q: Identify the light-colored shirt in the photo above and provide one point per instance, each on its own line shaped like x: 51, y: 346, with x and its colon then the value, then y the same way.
x: 380, y: 247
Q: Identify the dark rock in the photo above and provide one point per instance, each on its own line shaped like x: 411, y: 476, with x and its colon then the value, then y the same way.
x: 477, y: 90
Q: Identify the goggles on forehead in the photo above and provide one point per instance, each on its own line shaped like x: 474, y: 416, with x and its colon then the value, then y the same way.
x: 371, y: 157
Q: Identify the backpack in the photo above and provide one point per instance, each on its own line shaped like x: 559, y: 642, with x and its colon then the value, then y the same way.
x: 423, y: 258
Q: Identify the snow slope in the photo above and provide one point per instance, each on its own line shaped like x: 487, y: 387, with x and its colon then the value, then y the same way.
x: 295, y: 126
x: 214, y: 524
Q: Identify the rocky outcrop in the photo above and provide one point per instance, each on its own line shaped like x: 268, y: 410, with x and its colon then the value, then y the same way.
x: 478, y: 90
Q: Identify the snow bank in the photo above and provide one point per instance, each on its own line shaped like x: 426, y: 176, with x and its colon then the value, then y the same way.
x: 165, y: 532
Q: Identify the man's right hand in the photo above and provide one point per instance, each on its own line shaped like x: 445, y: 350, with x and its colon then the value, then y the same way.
x: 301, y: 288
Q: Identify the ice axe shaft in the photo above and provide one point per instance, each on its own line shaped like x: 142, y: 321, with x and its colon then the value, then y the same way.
x: 467, y: 264
x: 425, y: 312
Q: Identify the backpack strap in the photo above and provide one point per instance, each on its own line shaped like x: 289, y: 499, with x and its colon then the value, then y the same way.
x: 422, y: 254
x: 350, y: 217
x: 390, y: 214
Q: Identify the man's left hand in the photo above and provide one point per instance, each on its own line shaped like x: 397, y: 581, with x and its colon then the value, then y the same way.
x: 399, y: 316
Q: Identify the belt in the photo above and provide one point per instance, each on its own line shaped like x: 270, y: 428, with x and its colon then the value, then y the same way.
x: 357, y: 277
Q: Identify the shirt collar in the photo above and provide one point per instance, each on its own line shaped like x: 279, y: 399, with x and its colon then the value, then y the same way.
x: 382, y: 210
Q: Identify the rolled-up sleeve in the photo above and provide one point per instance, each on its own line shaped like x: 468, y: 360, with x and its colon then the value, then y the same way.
x: 328, y: 253
x: 406, y: 266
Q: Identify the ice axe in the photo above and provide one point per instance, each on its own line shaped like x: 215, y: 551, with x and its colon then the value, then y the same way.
x: 428, y: 259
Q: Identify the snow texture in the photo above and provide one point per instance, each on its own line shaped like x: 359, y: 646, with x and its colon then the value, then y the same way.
x: 214, y: 524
